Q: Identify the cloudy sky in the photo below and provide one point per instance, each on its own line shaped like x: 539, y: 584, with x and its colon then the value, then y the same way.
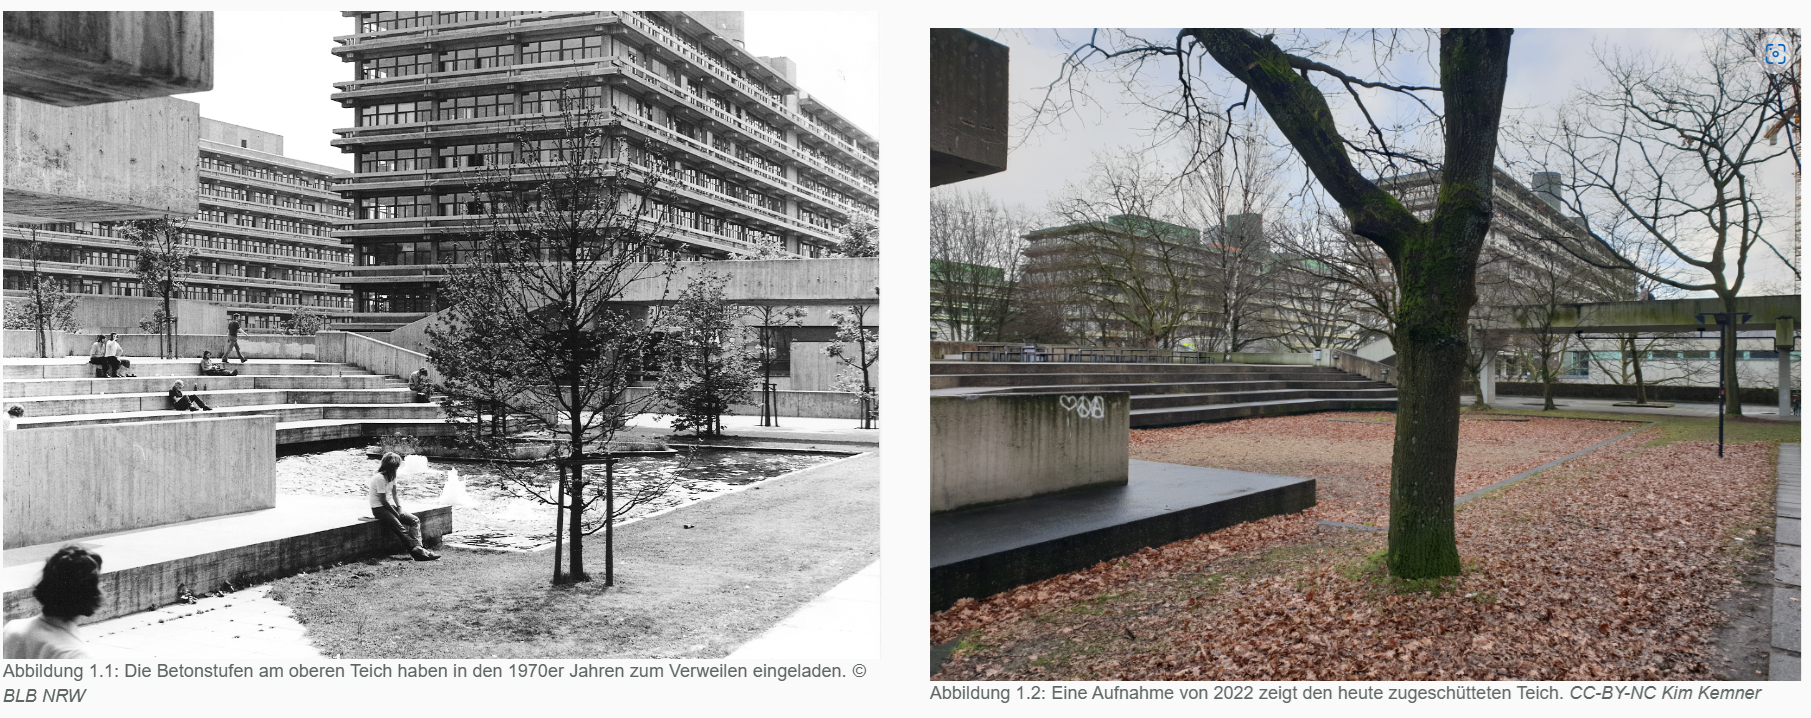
x: 1546, y: 67
x: 274, y: 70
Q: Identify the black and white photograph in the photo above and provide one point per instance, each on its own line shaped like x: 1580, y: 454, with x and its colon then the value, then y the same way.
x: 442, y: 335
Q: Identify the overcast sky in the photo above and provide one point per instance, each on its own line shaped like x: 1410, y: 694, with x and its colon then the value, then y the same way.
x: 1546, y: 66
x: 274, y: 70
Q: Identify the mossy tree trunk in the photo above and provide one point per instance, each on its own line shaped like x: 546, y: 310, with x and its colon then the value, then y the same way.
x: 1435, y: 261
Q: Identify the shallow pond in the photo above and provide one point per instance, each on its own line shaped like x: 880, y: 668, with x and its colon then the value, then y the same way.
x: 498, y: 511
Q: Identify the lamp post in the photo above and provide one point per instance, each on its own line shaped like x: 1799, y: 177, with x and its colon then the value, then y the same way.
x: 1725, y: 322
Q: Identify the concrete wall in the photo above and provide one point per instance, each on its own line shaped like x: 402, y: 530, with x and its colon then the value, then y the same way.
x: 1297, y: 358
x: 814, y: 404
x: 991, y: 448
x: 68, y: 482
x: 969, y: 97
x: 22, y: 343
x: 370, y: 354
x: 813, y: 370
x: 97, y: 313
x: 840, y: 281
x: 108, y: 162
x: 82, y: 58
x: 232, y: 135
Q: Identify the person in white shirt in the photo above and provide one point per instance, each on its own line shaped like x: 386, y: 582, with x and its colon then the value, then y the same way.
x: 70, y: 589
x: 112, y: 354
x: 97, y: 355
x: 382, y: 493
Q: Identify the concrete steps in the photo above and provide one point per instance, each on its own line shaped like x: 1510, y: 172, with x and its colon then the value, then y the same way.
x: 312, y: 401
x: 1169, y: 394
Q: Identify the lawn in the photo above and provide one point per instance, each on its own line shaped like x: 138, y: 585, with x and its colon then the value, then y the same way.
x: 1608, y: 567
x: 750, y: 559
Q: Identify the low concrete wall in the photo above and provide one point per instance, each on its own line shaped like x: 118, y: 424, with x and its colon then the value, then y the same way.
x: 141, y: 588
x: 22, y: 343
x: 992, y: 448
x: 1351, y: 363
x: 370, y: 354
x: 1271, y: 358
x: 67, y: 482
x: 813, y: 370
x: 101, y: 163
x: 813, y: 404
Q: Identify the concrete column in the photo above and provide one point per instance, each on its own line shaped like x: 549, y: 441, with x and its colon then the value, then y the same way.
x: 1487, y: 378
x: 1782, y: 342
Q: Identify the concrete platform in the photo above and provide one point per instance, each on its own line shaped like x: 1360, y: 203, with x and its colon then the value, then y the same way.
x: 979, y: 552
x: 149, y: 568
x: 1788, y: 608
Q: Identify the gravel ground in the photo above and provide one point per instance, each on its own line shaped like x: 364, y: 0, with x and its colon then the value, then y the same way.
x: 1348, y: 454
x: 497, y: 518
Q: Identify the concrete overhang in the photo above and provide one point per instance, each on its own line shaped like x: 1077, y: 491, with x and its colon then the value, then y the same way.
x: 969, y: 100
x: 1658, y: 316
x: 101, y: 163
x: 70, y: 59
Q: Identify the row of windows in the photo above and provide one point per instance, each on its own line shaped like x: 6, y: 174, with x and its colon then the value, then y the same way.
x: 131, y: 288
x: 477, y: 58
x: 241, y: 194
x: 710, y: 57
x: 494, y: 105
x: 199, y: 240
x: 215, y: 163
x: 380, y: 21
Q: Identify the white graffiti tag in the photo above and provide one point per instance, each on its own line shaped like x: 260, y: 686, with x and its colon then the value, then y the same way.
x: 1086, y: 407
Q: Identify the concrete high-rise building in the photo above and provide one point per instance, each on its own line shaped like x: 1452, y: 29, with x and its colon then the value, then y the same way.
x: 753, y: 158
x: 261, y: 238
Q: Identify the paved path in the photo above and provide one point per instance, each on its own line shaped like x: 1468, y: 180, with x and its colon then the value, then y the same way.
x: 1787, y: 608
x: 1679, y: 408
x: 244, y: 626
x: 841, y: 624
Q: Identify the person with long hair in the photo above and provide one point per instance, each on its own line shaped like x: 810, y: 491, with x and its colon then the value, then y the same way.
x: 69, y: 589
x: 382, y: 493
x: 182, y: 401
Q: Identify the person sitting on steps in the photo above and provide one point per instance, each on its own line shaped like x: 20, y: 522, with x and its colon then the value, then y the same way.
x: 186, y: 402
x: 382, y: 493
x: 209, y: 368
x: 418, y: 383
x: 111, y: 352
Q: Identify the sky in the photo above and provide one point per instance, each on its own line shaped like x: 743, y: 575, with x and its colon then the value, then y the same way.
x: 1546, y: 67
x: 280, y: 81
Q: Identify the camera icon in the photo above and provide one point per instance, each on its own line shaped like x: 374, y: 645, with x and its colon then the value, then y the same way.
x: 1774, y: 53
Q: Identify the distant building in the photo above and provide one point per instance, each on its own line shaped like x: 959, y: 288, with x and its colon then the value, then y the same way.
x: 753, y: 158
x: 262, y: 236
x: 1082, y: 262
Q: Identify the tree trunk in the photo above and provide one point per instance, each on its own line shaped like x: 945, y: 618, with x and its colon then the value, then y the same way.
x: 169, y: 340
x: 1641, y: 390
x: 1430, y: 368
x: 1727, y: 357
x: 575, y: 561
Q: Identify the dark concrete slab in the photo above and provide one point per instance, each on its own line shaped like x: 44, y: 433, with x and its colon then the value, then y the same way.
x: 980, y: 552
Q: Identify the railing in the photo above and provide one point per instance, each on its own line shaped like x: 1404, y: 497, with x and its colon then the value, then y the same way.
x: 371, y: 354
x: 1010, y: 352
x: 1350, y: 363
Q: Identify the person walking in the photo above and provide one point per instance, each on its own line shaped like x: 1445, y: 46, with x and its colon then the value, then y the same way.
x: 232, y: 340
x: 69, y: 589
x: 382, y: 494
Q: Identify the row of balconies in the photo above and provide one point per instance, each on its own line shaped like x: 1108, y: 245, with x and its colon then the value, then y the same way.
x: 105, y: 242
x: 264, y: 183
x: 675, y: 47
x: 126, y: 273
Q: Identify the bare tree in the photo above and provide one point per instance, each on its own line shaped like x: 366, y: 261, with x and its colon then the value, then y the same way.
x: 1435, y: 260
x: 567, y: 227
x: 1666, y: 152
x: 163, y: 259
x: 1231, y: 192
x: 976, y: 255
x: 1136, y: 272
x: 47, y: 307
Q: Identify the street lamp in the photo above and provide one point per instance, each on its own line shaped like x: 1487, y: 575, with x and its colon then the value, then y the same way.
x: 1725, y: 358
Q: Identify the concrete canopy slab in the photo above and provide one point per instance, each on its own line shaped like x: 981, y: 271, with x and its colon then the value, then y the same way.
x: 83, y: 58
x: 1666, y: 315
x: 980, y: 552
x: 969, y: 87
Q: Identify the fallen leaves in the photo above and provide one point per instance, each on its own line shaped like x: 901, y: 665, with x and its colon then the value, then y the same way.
x: 1606, y: 568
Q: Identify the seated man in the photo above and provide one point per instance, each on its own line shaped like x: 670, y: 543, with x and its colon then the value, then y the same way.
x: 381, y: 492
x: 209, y: 368
x: 104, y: 366
x: 112, y: 354
x: 418, y: 383
x: 186, y: 402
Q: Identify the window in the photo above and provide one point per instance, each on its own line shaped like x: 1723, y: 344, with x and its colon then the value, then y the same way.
x: 474, y: 58
x: 448, y: 18
x: 411, y: 158
x: 550, y: 100
x: 484, y: 155
x: 395, y: 113
x: 394, y: 207
x: 464, y: 108
x: 398, y: 66
x: 572, y: 48
x: 380, y: 21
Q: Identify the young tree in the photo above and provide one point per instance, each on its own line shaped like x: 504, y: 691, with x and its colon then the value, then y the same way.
x: 857, y: 376
x: 305, y: 321
x: 46, y: 307
x: 163, y: 259
x: 861, y: 238
x: 976, y: 252
x: 707, y: 366
x: 768, y: 319
x: 565, y: 231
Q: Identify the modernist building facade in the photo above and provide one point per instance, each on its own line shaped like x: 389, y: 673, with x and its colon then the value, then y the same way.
x: 262, y: 238
x: 749, y: 159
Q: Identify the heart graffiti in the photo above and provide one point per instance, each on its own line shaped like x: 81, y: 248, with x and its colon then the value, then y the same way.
x: 1086, y: 407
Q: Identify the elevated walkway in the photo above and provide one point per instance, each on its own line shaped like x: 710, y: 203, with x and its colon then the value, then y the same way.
x: 1169, y: 394
x: 312, y: 401
x: 147, y: 568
